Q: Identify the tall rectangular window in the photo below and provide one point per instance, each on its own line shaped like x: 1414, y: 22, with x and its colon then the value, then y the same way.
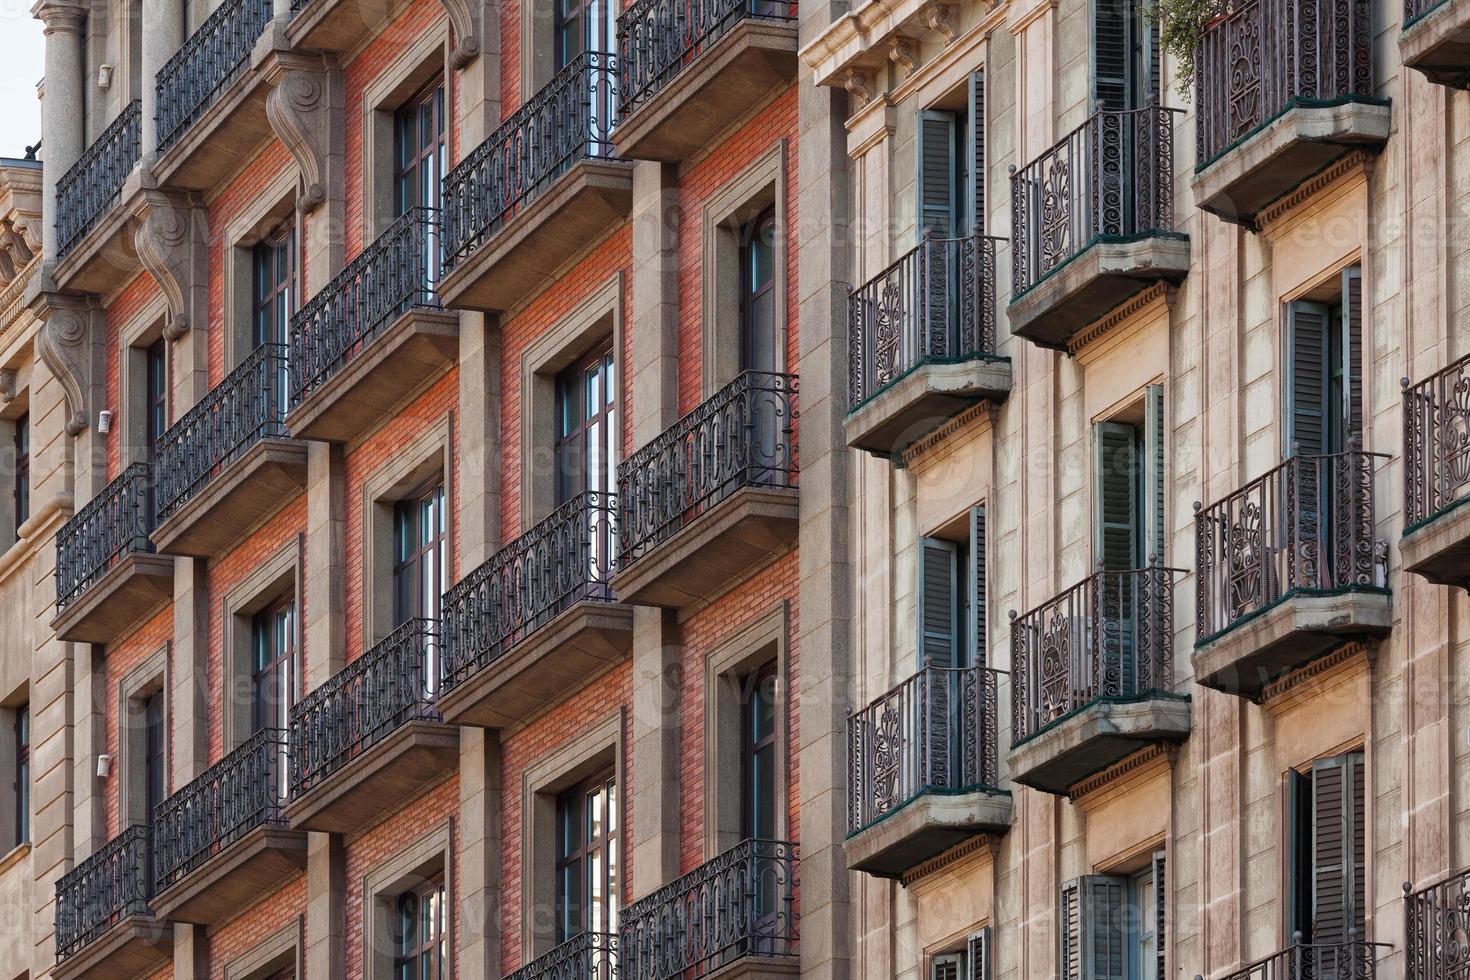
x: 22, y: 449
x: 950, y: 163
x: 1112, y: 925
x: 951, y: 597
x: 587, y: 859
x: 273, y: 298
x: 421, y: 939
x: 1324, y: 368
x: 155, y: 741
x: 156, y: 419
x: 1326, y: 849
x: 1125, y: 55
x: 273, y: 671
x: 585, y: 25
x: 421, y: 555
x: 1128, y: 485
x: 586, y: 426
x: 22, y: 774
x: 760, y: 784
x: 760, y: 348
x: 420, y: 150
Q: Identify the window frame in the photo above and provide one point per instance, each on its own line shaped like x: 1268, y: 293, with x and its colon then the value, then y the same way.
x: 22, y: 784
x: 570, y: 443
x: 21, y: 444
x: 604, y: 785
x: 266, y: 635
x: 437, y: 946
x: 407, y: 564
x: 409, y: 165
x: 764, y: 677
x: 273, y: 287
x: 762, y: 227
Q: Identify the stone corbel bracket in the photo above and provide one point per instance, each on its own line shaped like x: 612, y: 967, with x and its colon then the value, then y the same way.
x: 172, y: 239
x: 62, y: 345
x: 304, y: 111
x: 462, y: 22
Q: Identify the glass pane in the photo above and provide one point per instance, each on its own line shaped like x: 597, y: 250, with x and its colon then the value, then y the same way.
x: 763, y: 793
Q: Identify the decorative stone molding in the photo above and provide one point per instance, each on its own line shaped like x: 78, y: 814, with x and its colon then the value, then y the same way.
x: 1357, y: 161
x: 1138, y: 760
x: 302, y: 108
x: 959, y: 423
x: 173, y: 242
x: 856, y: 84
x: 1085, y: 336
x: 981, y: 842
x: 1273, y: 695
x: 61, y: 346
x: 462, y: 22
x: 901, y: 53
x: 937, y: 16
x: 8, y: 379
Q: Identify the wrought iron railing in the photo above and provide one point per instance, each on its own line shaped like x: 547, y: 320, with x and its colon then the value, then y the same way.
x: 1352, y: 960
x: 397, y: 272
x: 739, y: 904
x: 392, y: 684
x: 657, y: 39
x: 1437, y: 930
x: 1110, y: 179
x: 1259, y: 58
x: 1416, y: 10
x: 1305, y: 526
x: 247, y: 406
x: 570, y: 119
x: 936, y: 303
x: 742, y: 436
x: 934, y: 733
x: 1108, y: 638
x: 557, y: 562
x: 103, y: 889
x: 244, y: 790
x: 113, y: 525
x: 207, y: 63
x: 586, y: 956
x: 93, y: 186
x: 1436, y: 443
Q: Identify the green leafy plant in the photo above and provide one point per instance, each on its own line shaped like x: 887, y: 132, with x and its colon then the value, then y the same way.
x: 1181, y: 25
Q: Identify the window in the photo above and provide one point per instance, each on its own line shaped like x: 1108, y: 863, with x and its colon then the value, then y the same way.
x: 760, y: 786
x: 1112, y: 926
x: 421, y: 942
x: 586, y: 426
x: 273, y: 300
x: 587, y: 863
x: 22, y: 774
x: 1128, y: 476
x: 419, y: 150
x: 951, y: 597
x: 155, y: 740
x: 1324, y: 370
x: 970, y: 963
x: 759, y: 336
x: 1326, y: 866
x: 420, y: 558
x: 22, y: 470
x: 273, y: 667
x: 951, y: 157
x: 584, y: 25
x: 155, y: 420
x: 1125, y: 67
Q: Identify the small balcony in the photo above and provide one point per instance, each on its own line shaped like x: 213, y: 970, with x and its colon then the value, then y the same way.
x: 1281, y: 91
x: 211, y: 105
x: 338, y: 26
x: 711, y: 500
x: 94, y: 237
x: 1434, y: 938
x: 922, y: 336
x: 692, y: 71
x: 586, y: 956
x: 1436, y: 541
x: 227, y: 465
x: 537, y: 621
x: 1092, y: 678
x: 374, y: 337
x: 107, y: 577
x: 105, y: 929
x: 1289, y: 567
x: 1436, y: 40
x: 734, y: 914
x: 1315, y: 961
x: 1092, y: 224
x: 538, y: 193
x: 923, y: 770
x: 221, y: 843
x: 371, y: 739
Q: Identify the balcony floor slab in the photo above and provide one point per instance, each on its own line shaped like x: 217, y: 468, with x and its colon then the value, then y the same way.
x: 1439, y: 549
x: 107, y: 256
x: 236, y: 878
x: 757, y: 968
x: 1096, y: 736
x: 135, y: 947
x: 1438, y: 44
x: 236, y: 501
x: 380, y: 781
x: 922, y: 400
x: 926, y: 827
x: 126, y: 595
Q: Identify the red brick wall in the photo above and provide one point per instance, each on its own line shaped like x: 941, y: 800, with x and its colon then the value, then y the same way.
x: 120, y: 312
x: 256, y: 924
x: 121, y: 659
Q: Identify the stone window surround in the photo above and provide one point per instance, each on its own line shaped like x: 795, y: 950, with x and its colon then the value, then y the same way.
x: 146, y: 679
x: 14, y: 409
x: 9, y: 707
x: 596, y: 317
x: 429, y: 856
x: 268, y: 581
x: 429, y: 453
x: 760, y: 641
x: 277, y: 951
x: 267, y: 211
x: 410, y: 71
x: 143, y: 329
x: 1323, y: 283
x: 759, y: 186
x: 592, y: 751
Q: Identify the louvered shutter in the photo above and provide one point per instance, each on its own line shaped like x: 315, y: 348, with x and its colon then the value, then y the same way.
x: 975, y: 154
x: 1337, y: 848
x: 1116, y: 481
x: 1094, y: 933
x: 978, y: 954
x: 1153, y: 438
x: 1110, y: 51
x: 938, y: 602
x: 1160, y: 914
x: 936, y: 181
x: 1352, y: 350
x: 947, y: 966
x: 977, y: 623
x: 1307, y: 376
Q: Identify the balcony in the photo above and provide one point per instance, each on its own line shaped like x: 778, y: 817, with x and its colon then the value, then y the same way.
x: 1315, y: 961
x: 370, y: 739
x: 922, y: 344
x: 1436, y: 541
x: 211, y: 106
x: 107, y: 577
x: 374, y: 337
x: 221, y: 843
x: 105, y: 929
x: 1434, y: 940
x: 712, y: 499
x: 1092, y: 678
x: 734, y: 914
x: 1436, y: 40
x: 338, y: 26
x: 587, y: 956
x: 1092, y: 221
x: 541, y: 191
x: 537, y: 621
x: 227, y: 465
x: 923, y: 770
x: 94, y: 240
x: 1281, y: 90
x: 692, y: 70
x: 1289, y: 567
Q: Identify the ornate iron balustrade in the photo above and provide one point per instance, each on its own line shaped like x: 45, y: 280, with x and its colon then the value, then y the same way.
x: 102, y: 890
x: 392, y: 684
x: 1416, y: 10
x: 112, y: 525
x: 658, y: 39
x: 560, y: 560
x: 1352, y: 960
x: 247, y: 406
x: 935, y: 732
x: 1259, y: 58
x: 570, y: 119
x: 738, y: 904
x: 391, y: 276
x: 742, y: 436
x: 1437, y: 924
x: 1110, y: 179
x: 936, y: 303
x: 1109, y: 637
x: 1305, y: 526
x: 588, y: 956
x: 244, y: 790
x: 1436, y: 443
x: 93, y: 186
x: 207, y: 63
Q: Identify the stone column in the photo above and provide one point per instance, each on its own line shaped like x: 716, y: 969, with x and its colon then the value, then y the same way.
x: 479, y: 439
x: 479, y: 854
x: 63, y: 126
x: 326, y: 907
x: 191, y: 952
x: 326, y: 561
x: 163, y: 35
x: 189, y: 677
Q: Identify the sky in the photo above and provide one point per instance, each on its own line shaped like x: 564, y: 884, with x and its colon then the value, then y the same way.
x: 22, y: 63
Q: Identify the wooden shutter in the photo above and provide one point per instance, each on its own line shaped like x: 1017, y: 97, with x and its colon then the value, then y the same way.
x: 1160, y: 914
x: 1337, y: 848
x: 1153, y: 440
x: 977, y: 625
x: 1298, y: 852
x: 1306, y: 378
x: 1116, y: 483
x: 947, y: 966
x: 1352, y: 350
x: 1110, y: 51
x: 1094, y: 933
x: 979, y: 955
x: 935, y: 178
x: 938, y: 602
x: 975, y: 154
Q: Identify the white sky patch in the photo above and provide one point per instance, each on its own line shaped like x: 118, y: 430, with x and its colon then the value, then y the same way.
x: 22, y: 63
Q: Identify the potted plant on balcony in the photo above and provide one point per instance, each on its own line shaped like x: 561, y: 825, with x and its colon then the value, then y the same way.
x: 1182, y: 25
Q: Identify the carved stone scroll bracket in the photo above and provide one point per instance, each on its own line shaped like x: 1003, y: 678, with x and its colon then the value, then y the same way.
x: 902, y: 54
x: 303, y: 109
x: 467, y: 39
x: 62, y: 345
x: 172, y: 239
x: 940, y: 19
x: 856, y: 83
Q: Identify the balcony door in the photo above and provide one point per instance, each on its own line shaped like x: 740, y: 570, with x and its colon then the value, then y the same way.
x: 588, y: 864
x: 273, y: 678
x: 590, y: 28
x: 420, y: 150
x: 1113, y: 925
x: 586, y: 453
x: 1326, y: 850
x: 273, y: 301
x: 761, y: 789
x: 155, y: 762
x: 421, y: 567
x: 951, y: 204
